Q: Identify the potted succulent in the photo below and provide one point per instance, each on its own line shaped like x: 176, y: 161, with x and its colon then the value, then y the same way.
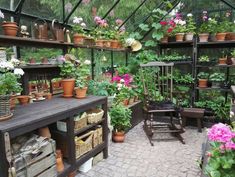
x: 82, y: 78
x: 216, y: 79
x: 67, y: 72
x: 9, y: 28
x: 179, y: 29
x: 202, y: 79
x: 78, y: 29
x: 190, y: 28
x: 120, y: 120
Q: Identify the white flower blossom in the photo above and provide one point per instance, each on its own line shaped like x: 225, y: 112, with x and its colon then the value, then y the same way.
x: 119, y: 86
x: 122, y: 80
x: 18, y: 71
x: 176, y: 21
x: 87, y: 62
x: 6, y: 65
x: 1, y: 14
x: 129, y: 41
x: 77, y: 20
x: 189, y: 15
x: 182, y: 22
x: 209, y: 19
x: 83, y: 25
x: 15, y: 61
x: 231, y: 114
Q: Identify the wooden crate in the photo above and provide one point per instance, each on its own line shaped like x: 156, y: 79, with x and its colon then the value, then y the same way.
x: 51, y: 172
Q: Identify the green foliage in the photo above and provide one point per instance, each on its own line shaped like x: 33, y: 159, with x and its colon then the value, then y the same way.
x: 122, y: 70
x: 233, y: 53
x: 172, y: 57
x: 204, y: 58
x: 203, y: 75
x: 179, y: 78
x: 103, y: 88
x: 124, y: 93
x: 67, y: 69
x: 190, y: 25
x: 217, y: 77
x: 120, y: 117
x: 82, y: 75
x: 9, y: 84
x: 208, y: 26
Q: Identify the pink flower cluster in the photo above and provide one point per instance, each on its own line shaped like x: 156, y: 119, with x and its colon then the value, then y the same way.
x: 204, y: 16
x: 101, y: 22
x: 223, y: 134
x: 126, y: 79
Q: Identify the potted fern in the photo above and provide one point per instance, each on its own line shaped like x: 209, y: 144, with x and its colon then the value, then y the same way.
x: 120, y: 120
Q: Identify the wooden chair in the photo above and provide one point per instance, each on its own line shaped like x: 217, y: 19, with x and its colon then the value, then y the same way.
x: 158, y: 84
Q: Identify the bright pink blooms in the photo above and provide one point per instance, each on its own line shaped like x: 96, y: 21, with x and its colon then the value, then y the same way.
x: 101, y: 22
x: 126, y: 79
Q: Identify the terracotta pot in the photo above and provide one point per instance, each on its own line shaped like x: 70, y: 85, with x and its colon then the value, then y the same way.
x: 23, y: 99
x: 81, y: 92
x: 10, y: 28
x: 232, y: 36
x: 202, y: 83
x: 220, y: 36
x: 107, y: 43
x: 114, y: 44
x: 59, y: 161
x: 78, y: 38
x: 203, y: 37
x: 72, y: 174
x: 126, y: 102
x: 48, y: 96
x: 44, y: 60
x: 38, y: 95
x: 118, y: 137
x: 99, y: 43
x: 119, y: 45
x: 179, y: 37
x: 188, y: 36
x: 44, y: 132
x: 68, y: 87
x: 164, y: 39
x: 222, y: 61
x: 13, y: 102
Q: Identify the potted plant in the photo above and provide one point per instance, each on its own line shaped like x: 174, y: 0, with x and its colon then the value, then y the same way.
x: 120, y: 120
x: 179, y: 29
x: 233, y: 56
x: 202, y: 79
x: 204, y: 59
x: 221, y: 30
x: 99, y: 31
x: 9, y: 28
x: 78, y: 29
x: 166, y: 30
x: 216, y: 79
x: 67, y: 72
x: 82, y: 78
x: 124, y: 94
x: 190, y: 28
x: 223, y: 59
x: 231, y: 34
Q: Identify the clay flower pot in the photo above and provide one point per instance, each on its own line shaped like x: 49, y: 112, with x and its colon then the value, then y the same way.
x: 126, y: 102
x: 179, y: 37
x: 44, y: 132
x: 59, y: 161
x: 164, y: 39
x: 81, y: 92
x: 107, y: 43
x: 38, y: 95
x: 12, y: 102
x: 202, y: 83
x: 203, y: 37
x: 188, y: 36
x: 222, y: 61
x: 23, y: 99
x: 68, y: 87
x: 99, y: 43
x: 232, y: 36
x: 119, y: 137
x: 48, y: 96
x: 115, y: 44
x: 10, y: 28
x: 78, y: 38
x: 220, y: 36
x: 55, y: 84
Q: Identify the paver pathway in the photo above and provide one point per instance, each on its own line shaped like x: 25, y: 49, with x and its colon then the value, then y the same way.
x: 137, y: 158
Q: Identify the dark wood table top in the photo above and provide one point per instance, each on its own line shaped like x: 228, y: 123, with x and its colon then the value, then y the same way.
x: 45, y: 112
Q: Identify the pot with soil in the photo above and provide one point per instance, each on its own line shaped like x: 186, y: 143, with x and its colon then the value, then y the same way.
x: 23, y: 99
x: 119, y: 137
x: 68, y: 87
x: 81, y: 92
x: 203, y: 37
x: 220, y: 36
x: 179, y: 37
x: 202, y: 79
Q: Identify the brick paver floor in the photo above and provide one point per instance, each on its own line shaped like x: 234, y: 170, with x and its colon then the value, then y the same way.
x: 137, y: 158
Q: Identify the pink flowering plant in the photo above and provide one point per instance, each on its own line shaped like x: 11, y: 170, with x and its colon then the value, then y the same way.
x: 208, y: 25
x: 221, y: 162
x: 180, y: 24
x: 102, y: 26
x: 79, y: 25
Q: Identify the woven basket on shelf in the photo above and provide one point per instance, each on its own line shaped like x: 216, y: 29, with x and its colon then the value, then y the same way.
x: 5, y: 107
x: 98, y: 136
x: 94, y: 116
x: 83, y: 143
x: 81, y: 122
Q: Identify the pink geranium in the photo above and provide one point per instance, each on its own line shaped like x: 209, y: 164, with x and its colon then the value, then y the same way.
x: 126, y: 79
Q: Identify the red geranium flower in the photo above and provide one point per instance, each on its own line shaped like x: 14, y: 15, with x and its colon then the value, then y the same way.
x: 170, y: 30
x: 163, y: 23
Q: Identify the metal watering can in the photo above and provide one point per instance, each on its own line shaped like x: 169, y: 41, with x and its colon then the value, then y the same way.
x: 57, y: 32
x: 41, y: 30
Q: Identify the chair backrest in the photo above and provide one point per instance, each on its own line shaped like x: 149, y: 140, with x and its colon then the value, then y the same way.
x: 157, y: 78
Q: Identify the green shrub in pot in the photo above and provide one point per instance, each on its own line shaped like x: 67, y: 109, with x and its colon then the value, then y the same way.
x: 216, y: 79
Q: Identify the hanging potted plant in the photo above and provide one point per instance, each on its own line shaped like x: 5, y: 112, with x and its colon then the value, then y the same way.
x: 120, y: 120
x: 78, y: 29
x: 67, y: 72
x: 202, y: 79
x: 217, y: 79
x: 82, y: 78
x: 9, y: 28
x: 190, y: 28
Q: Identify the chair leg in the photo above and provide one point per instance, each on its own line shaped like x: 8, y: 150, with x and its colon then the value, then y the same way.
x: 148, y: 128
x: 199, y: 125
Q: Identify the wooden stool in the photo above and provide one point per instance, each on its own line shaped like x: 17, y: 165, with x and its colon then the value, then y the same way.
x: 193, y: 113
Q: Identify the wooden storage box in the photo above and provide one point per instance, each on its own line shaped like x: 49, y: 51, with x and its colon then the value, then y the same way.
x: 83, y: 143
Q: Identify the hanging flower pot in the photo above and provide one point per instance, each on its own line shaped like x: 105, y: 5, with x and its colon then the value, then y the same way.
x: 202, y: 83
x: 119, y: 137
x: 188, y: 36
x: 5, y: 107
x: 179, y: 37
x: 68, y: 87
x: 164, y: 39
x: 220, y: 36
x: 78, y: 38
x: 81, y: 92
x: 10, y: 28
x: 203, y: 37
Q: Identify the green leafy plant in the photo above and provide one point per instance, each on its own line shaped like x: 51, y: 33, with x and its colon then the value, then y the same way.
x: 202, y: 75
x: 123, y: 70
x: 180, y: 78
x: 180, y: 27
x: 124, y: 93
x: 233, y: 53
x: 223, y: 26
x: 79, y: 25
x: 82, y: 74
x: 67, y: 69
x: 204, y: 58
x: 208, y: 26
x: 190, y: 24
x: 103, y: 88
x: 120, y: 117
x: 217, y: 77
x: 9, y: 84
x: 173, y: 57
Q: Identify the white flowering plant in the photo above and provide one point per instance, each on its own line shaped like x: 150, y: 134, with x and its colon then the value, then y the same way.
x: 83, y: 74
x: 1, y: 14
x: 180, y: 26
x: 79, y: 25
x: 190, y: 24
x: 9, y: 77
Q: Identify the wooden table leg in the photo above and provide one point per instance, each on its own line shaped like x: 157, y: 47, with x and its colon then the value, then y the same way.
x: 199, y: 124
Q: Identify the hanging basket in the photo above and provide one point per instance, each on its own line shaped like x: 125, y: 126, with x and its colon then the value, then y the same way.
x: 5, y: 107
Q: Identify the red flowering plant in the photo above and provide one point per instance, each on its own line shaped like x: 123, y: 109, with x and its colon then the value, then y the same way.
x: 221, y: 162
x: 167, y: 27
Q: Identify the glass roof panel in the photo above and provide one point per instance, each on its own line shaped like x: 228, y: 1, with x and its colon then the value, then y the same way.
x: 9, y: 4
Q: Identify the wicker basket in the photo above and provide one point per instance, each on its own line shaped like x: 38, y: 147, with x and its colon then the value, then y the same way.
x: 83, y: 143
x: 94, y: 116
x: 5, y: 107
x: 98, y: 136
x: 81, y: 122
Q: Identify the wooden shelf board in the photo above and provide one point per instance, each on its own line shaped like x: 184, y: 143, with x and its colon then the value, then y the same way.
x: 217, y: 44
x: 176, y: 44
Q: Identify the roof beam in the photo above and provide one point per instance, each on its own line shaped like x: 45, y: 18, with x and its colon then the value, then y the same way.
x: 132, y: 14
x: 114, y: 5
x: 70, y: 14
x: 19, y: 5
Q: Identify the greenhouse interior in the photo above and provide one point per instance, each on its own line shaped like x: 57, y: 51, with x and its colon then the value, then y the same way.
x: 116, y: 88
